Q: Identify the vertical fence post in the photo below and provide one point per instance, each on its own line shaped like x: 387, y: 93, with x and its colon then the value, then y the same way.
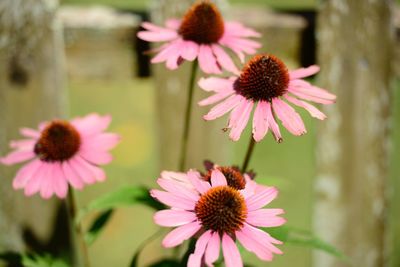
x: 31, y: 90
x: 355, y: 51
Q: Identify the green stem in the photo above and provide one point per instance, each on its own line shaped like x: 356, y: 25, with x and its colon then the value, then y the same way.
x: 249, y: 152
x: 188, y: 116
x: 80, y: 252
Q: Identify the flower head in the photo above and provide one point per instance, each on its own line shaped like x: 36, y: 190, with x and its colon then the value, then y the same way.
x: 218, y: 214
x: 61, y: 153
x: 265, y: 81
x: 200, y: 34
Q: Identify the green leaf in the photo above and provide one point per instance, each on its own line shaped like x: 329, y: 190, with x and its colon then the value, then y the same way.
x: 46, y: 260
x: 304, y: 238
x: 124, y: 196
x: 97, y: 226
x: 12, y: 258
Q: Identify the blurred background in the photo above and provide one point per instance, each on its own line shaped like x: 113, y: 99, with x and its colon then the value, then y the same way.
x: 79, y: 56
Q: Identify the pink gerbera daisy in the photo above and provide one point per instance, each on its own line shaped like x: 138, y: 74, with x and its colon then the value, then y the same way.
x: 218, y: 215
x: 62, y: 153
x: 265, y: 81
x: 200, y: 34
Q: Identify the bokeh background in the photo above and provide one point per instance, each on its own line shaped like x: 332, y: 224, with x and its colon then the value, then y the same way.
x: 107, y: 73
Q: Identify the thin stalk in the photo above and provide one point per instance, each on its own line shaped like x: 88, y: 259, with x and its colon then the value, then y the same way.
x: 188, y: 115
x: 80, y: 252
x: 249, y: 152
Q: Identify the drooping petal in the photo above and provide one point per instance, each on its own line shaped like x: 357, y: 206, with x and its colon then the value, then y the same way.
x: 81, y: 170
x: 26, y: 173
x: 239, y: 122
x: 173, y: 24
x: 272, y: 124
x: 103, y: 141
x: 168, y: 51
x: 260, y: 121
x: 316, y: 113
x: 159, y: 36
x: 195, y: 259
x: 237, y: 29
x: 303, y: 72
x: 207, y: 61
x: 24, y: 144
x: 71, y: 176
x: 172, y: 218
x: 60, y: 181
x: 180, y: 234
x: 217, y: 178
x: 95, y: 156
x: 213, y: 248
x: 17, y: 156
x: 48, y: 185
x: 216, y: 84
x: 216, y: 97
x: 261, y: 198
x: 265, y: 217
x: 173, y: 200
x: 28, y: 132
x: 224, y: 59
x: 289, y: 117
x: 34, y: 183
x: 190, y: 50
x: 231, y: 253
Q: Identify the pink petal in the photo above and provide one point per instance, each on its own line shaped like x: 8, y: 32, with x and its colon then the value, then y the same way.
x: 263, y: 237
x: 34, y: 184
x: 24, y: 144
x: 160, y: 36
x: 95, y: 156
x: 195, y: 259
x: 180, y: 234
x: 216, y: 84
x: 303, y: 72
x: 213, y: 248
x: 173, y: 60
x: 238, y: 123
x: 261, y: 198
x: 272, y: 124
x: 28, y: 132
x: 168, y: 51
x: 47, y: 187
x: 217, y: 178
x: 224, y: 59
x: 223, y: 107
x: 71, y: 176
x: 26, y: 173
x: 80, y: 168
x: 190, y: 50
x: 207, y: 61
x: 91, y: 124
x: 177, y: 188
x: 60, y: 181
x: 309, y: 97
x: 260, y: 121
x: 289, y: 117
x: 231, y: 253
x: 96, y: 172
x: 200, y: 185
x: 172, y: 218
x: 173, y: 200
x: 177, y: 177
x: 152, y: 27
x: 17, y: 156
x: 316, y: 113
x: 173, y: 24
x: 102, y: 142
x: 307, y: 88
x: 265, y: 217
x: 237, y: 29
x: 216, y: 97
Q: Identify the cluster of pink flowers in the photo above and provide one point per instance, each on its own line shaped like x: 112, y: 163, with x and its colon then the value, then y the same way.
x: 222, y: 206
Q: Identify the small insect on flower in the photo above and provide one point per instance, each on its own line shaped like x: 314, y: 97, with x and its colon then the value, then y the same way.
x: 218, y: 214
x: 61, y: 153
x: 200, y: 34
x: 265, y: 81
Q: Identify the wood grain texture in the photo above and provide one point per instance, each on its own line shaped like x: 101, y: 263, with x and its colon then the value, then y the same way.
x: 355, y: 51
x: 31, y: 90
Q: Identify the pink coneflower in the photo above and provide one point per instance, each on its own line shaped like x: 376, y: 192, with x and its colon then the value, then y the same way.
x: 218, y: 215
x: 200, y: 34
x: 265, y: 80
x: 62, y: 153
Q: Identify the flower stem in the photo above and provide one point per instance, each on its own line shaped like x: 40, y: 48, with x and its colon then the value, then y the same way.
x: 248, y: 154
x: 80, y: 253
x: 188, y: 114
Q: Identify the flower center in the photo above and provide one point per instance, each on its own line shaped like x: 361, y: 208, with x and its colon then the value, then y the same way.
x: 233, y: 176
x: 221, y: 209
x: 264, y: 77
x: 59, y: 141
x: 202, y: 24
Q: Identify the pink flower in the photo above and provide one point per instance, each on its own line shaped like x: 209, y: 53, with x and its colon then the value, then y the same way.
x: 62, y: 153
x: 265, y: 81
x: 200, y: 34
x: 219, y: 215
